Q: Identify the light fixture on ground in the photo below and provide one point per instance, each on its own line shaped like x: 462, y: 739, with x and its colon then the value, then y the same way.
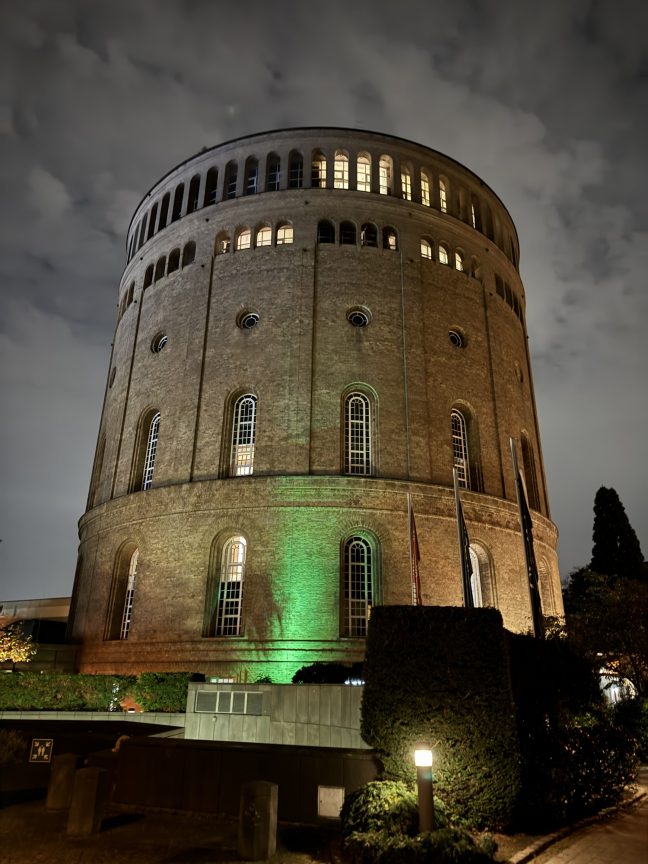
x: 423, y: 762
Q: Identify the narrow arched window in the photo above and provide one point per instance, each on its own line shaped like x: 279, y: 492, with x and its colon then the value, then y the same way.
x: 347, y: 234
x: 530, y: 477
x: 231, y: 171
x: 263, y: 236
x: 369, y: 235
x: 460, y: 449
x: 223, y: 243
x: 194, y: 190
x: 153, y: 217
x: 385, y: 173
x: 243, y: 239
x: 148, y: 276
x: 444, y: 255
x: 425, y: 189
x: 357, y: 434
x: 273, y: 173
x: 188, y: 253
x: 176, y: 212
x: 318, y: 170
x: 363, y: 172
x: 459, y: 261
x: 174, y: 261
x: 243, y: 435
x: 443, y: 195
x: 142, y: 232
x: 127, y: 611
x: 426, y: 249
x: 160, y: 268
x: 358, y: 585
x: 211, y: 182
x: 295, y: 170
x: 96, y: 472
x: 325, y: 231
x: 341, y: 170
x: 151, y: 450
x: 229, y: 600
x: 390, y: 241
x: 251, y: 176
x: 406, y: 183
x: 284, y: 234
x: 164, y: 211
x: 482, y: 578
x: 475, y: 579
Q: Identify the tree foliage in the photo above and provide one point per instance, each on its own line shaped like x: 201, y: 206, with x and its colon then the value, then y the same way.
x: 14, y: 646
x: 616, y: 551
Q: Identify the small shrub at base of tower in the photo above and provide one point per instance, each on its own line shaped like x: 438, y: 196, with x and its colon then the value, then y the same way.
x: 162, y: 691
x: 328, y: 673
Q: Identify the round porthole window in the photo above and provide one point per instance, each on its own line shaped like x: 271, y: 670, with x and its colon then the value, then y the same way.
x: 159, y: 342
x: 358, y: 317
x: 248, y: 320
x: 457, y: 338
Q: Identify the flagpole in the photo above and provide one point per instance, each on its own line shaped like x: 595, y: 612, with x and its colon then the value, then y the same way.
x: 462, y: 536
x: 409, y: 540
x: 527, y: 543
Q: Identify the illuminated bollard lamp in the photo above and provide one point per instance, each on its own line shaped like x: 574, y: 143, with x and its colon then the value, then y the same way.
x: 423, y: 762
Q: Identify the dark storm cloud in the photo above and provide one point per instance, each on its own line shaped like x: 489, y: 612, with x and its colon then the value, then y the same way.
x: 546, y: 102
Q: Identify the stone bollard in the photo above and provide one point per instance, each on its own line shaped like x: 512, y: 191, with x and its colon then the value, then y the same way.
x: 89, y: 799
x: 61, y: 781
x: 257, y: 835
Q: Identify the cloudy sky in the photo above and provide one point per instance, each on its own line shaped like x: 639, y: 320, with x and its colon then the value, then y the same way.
x: 547, y: 102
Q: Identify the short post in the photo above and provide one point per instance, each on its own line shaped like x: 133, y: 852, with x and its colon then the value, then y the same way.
x: 89, y: 801
x: 61, y: 781
x: 423, y: 762
x: 257, y: 835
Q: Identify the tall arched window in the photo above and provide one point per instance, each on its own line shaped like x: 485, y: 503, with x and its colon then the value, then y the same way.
x: 127, y: 611
x: 460, y: 449
x: 295, y: 170
x: 444, y: 256
x: 226, y: 617
x: 151, y: 450
x: 385, y: 174
x: 251, y: 176
x: 443, y: 195
x: 369, y: 235
x: 176, y: 212
x: 318, y: 170
x: 174, y: 261
x: 426, y: 249
x: 363, y: 173
x: 164, y: 211
x: 341, y: 170
x: 96, y: 472
x: 148, y: 276
x: 359, y: 585
x: 459, y: 261
x: 530, y: 477
x: 229, y: 187
x: 273, y: 172
x: 243, y: 435
x: 406, y: 183
x: 194, y: 189
x: 390, y: 240
x: 122, y: 592
x: 211, y: 182
x: 358, y: 422
x: 160, y: 268
x: 425, y: 189
x: 151, y: 229
x: 188, y: 253
x: 482, y: 579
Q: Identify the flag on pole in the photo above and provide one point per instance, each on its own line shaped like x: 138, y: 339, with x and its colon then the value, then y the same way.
x: 464, y: 548
x: 529, y: 555
x: 415, y: 555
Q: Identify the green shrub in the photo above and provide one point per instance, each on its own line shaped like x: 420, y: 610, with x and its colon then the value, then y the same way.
x: 382, y: 805
x: 444, y: 846
x: 60, y: 691
x: 13, y: 747
x: 162, y: 691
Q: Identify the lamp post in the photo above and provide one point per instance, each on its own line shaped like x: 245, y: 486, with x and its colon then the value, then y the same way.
x: 423, y: 762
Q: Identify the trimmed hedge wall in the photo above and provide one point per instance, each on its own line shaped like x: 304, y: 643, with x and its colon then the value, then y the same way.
x: 446, y: 685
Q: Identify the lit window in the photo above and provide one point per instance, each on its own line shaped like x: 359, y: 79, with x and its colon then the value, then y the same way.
x: 473, y: 216
x: 460, y: 449
x: 444, y: 257
x: 390, y: 240
x: 318, y: 171
x: 223, y: 243
x: 426, y: 249
x: 406, y: 184
x: 341, y: 171
x: 443, y: 196
x: 151, y: 449
x: 363, y: 171
x: 459, y: 261
x: 369, y: 235
x: 357, y: 434
x: 127, y: 613
x: 284, y: 234
x: 159, y: 342
x: 243, y: 239
x: 482, y: 580
x: 385, y: 175
x: 264, y: 236
x: 358, y: 586
x: 243, y: 435
x: 425, y: 189
x: 230, y: 588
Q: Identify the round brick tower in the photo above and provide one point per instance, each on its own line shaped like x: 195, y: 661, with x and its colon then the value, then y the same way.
x: 314, y: 327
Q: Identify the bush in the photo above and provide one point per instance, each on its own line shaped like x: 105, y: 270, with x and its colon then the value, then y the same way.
x: 327, y: 673
x: 162, y: 691
x: 444, y: 846
x: 13, y: 747
x: 380, y: 805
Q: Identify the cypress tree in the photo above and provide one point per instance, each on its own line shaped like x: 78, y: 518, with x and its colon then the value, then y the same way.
x: 616, y: 550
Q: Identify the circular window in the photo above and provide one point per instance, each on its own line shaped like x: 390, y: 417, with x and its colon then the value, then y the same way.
x: 159, y: 342
x: 111, y: 380
x: 457, y: 338
x: 358, y: 317
x: 248, y: 320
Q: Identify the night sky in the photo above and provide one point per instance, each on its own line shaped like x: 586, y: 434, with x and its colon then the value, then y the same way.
x: 546, y: 101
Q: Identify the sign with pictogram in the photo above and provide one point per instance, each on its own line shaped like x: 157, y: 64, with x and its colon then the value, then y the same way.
x: 41, y: 750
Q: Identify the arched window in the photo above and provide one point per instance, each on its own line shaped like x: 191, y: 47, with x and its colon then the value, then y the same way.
x: 426, y: 249
x: 251, y: 175
x: 318, y: 170
x: 284, y: 234
x: 174, y: 261
x: 164, y: 211
x: 231, y: 171
x: 243, y: 435
x: 406, y: 183
x: 444, y: 255
x: 425, y: 189
x: 482, y: 581
x: 146, y: 439
x: 122, y: 593
x: 194, y: 190
x: 341, y: 170
x: 530, y: 477
x: 273, y: 173
x: 390, y: 241
x: 127, y: 612
x: 223, y: 243
x: 385, y: 174
x: 142, y: 232
x: 188, y: 253
x: 358, y: 423
x: 263, y: 236
x: 369, y: 235
x: 211, y: 183
x: 226, y: 617
x: 325, y: 231
x: 459, y: 261
x: 363, y: 173
x: 347, y: 234
x: 96, y: 472
x: 176, y: 213
x: 243, y: 239
x: 360, y: 589
x: 151, y: 450
x: 151, y: 228
x: 460, y: 449
x: 443, y: 194
x: 475, y: 213
x: 295, y: 170
x: 160, y: 268
x: 148, y: 276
